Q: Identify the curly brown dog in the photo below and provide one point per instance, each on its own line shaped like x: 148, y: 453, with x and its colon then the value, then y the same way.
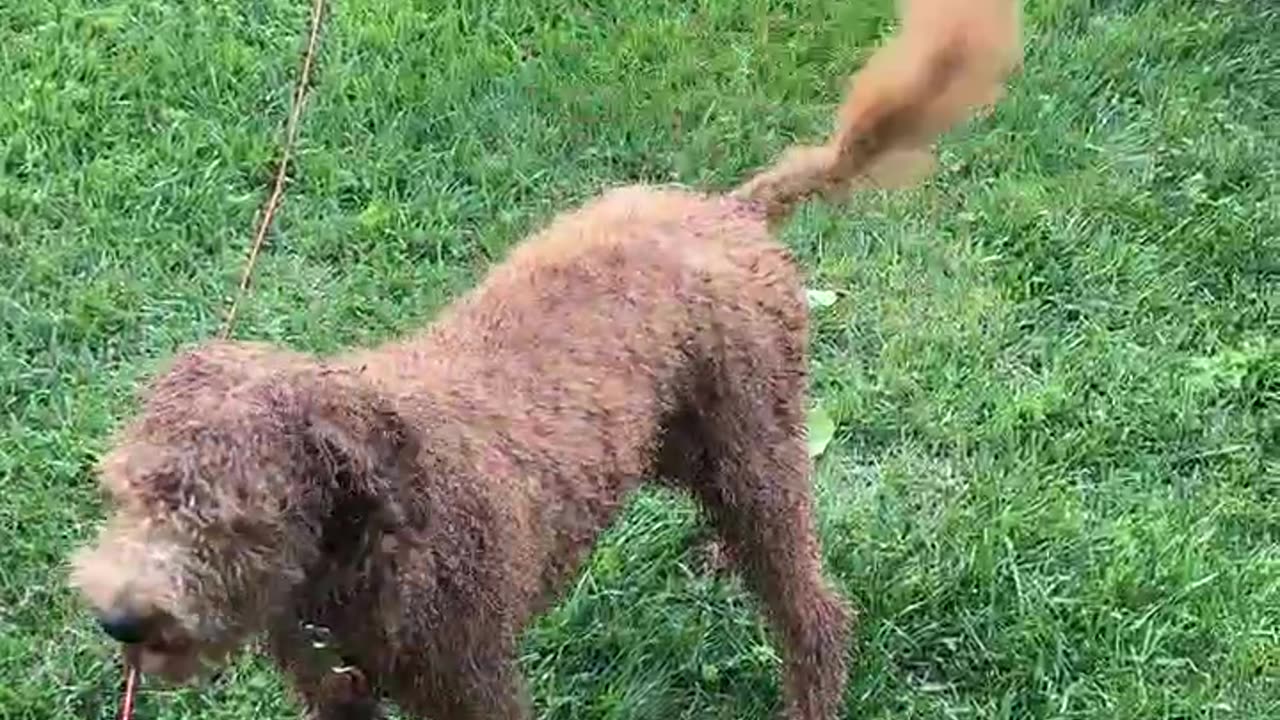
x: 423, y: 499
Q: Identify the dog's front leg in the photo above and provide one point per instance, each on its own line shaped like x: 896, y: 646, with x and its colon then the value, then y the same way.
x: 344, y: 696
x: 326, y: 693
x: 473, y: 688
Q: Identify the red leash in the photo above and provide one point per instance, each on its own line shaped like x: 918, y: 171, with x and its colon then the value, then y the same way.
x: 268, y: 212
x: 130, y: 692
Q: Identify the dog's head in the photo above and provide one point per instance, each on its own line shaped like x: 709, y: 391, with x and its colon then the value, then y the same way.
x: 219, y: 490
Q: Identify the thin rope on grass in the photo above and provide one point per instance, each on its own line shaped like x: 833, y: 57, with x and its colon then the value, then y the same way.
x: 277, y: 190
x: 131, y: 681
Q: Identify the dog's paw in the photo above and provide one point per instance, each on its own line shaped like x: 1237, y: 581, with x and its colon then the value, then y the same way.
x: 345, y: 686
x: 713, y: 557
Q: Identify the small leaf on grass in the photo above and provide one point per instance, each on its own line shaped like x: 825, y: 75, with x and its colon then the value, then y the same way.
x: 820, y: 298
x: 375, y: 216
x: 821, y: 429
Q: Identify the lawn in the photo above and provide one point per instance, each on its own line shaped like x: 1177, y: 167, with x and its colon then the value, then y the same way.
x: 1054, y: 370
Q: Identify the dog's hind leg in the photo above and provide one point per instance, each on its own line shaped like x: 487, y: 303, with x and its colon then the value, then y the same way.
x: 759, y: 501
x: 756, y: 487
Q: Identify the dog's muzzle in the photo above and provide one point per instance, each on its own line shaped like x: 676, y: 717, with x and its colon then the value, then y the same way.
x: 124, y: 628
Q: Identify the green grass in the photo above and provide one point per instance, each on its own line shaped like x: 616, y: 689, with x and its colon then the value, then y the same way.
x: 1054, y: 488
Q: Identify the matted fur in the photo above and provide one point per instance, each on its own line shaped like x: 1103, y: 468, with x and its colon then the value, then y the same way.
x: 424, y: 498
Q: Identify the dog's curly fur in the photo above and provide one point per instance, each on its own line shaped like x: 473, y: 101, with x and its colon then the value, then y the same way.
x: 424, y: 498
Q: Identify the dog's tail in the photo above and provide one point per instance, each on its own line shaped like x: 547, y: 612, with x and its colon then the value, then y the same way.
x: 948, y: 59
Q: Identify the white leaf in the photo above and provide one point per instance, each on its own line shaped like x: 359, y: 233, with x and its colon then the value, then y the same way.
x: 821, y: 429
x: 820, y: 298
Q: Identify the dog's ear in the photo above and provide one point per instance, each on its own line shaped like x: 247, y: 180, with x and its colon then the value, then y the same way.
x: 354, y: 432
x: 145, y: 475
x: 231, y: 428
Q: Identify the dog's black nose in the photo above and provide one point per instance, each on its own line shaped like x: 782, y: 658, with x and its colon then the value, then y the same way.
x: 122, y: 627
